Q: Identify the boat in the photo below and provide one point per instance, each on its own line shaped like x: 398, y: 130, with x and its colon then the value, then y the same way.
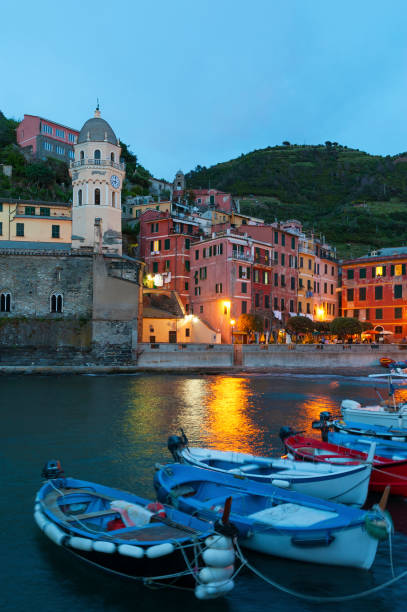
x: 384, y: 448
x: 274, y: 521
x: 387, y: 413
x: 374, y: 431
x: 344, y: 484
x: 133, y: 537
x: 386, y: 471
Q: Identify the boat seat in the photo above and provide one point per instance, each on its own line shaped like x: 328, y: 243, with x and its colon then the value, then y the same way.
x: 88, y: 515
x: 244, y: 468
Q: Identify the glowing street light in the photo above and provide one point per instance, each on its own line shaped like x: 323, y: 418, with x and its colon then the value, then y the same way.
x: 232, y: 323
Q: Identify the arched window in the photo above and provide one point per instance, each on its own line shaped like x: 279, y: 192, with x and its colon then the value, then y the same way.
x: 97, y: 196
x: 82, y: 157
x: 114, y: 199
x: 97, y: 157
x: 112, y: 157
x: 5, y: 301
x: 80, y: 197
x: 56, y: 302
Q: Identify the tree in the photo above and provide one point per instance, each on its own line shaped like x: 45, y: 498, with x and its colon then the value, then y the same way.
x: 300, y: 325
x: 286, y: 143
x: 346, y: 326
x: 249, y: 323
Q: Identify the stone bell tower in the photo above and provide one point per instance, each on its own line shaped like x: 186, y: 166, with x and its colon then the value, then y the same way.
x: 97, y: 178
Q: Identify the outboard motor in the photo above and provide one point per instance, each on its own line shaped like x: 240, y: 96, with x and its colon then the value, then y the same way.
x: 285, y: 432
x: 175, y: 445
x: 323, y: 424
x: 52, y: 469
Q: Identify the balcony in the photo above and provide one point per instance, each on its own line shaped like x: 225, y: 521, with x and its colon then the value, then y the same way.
x: 242, y: 257
x: 263, y: 261
x: 304, y: 249
x: 99, y: 162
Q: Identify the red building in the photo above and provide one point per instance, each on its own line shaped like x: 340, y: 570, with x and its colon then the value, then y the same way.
x: 44, y: 138
x: 374, y: 289
x: 165, y: 246
x: 212, y: 198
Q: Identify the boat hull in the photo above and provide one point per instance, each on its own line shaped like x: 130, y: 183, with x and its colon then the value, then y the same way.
x: 375, y: 417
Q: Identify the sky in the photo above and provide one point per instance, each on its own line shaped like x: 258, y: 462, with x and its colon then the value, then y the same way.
x: 188, y: 82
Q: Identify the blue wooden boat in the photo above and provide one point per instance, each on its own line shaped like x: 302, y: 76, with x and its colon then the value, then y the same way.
x: 374, y: 431
x: 271, y: 520
x: 393, y: 449
x: 131, y: 536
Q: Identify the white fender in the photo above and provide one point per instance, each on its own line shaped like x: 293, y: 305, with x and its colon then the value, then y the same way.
x: 213, y: 590
x: 104, y: 547
x: 40, y: 520
x: 283, y: 484
x: 215, y: 574
x: 218, y: 541
x: 55, y: 533
x: 218, y: 558
x: 131, y: 551
x: 80, y: 543
x: 37, y: 507
x: 160, y: 550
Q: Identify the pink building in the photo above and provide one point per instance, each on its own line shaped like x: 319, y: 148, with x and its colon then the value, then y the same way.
x: 204, y: 198
x: 222, y: 283
x: 44, y: 138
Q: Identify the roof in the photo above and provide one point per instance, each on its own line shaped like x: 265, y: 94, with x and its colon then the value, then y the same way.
x: 378, y: 254
x: 35, y: 202
x: 51, y: 121
x: 34, y: 246
x: 98, y: 130
x: 161, y: 306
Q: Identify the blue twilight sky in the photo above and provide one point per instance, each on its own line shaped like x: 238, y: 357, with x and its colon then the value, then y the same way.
x: 187, y: 82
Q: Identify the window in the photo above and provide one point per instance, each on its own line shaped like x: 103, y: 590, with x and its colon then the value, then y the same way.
x: 218, y: 288
x: 356, y: 314
x: 186, y: 285
x: 60, y: 150
x: 244, y: 287
x: 187, y: 332
x: 97, y: 196
x: 292, y: 283
x: 82, y: 155
x: 5, y: 301
x: 48, y: 146
x: 362, y: 273
x: 187, y: 243
x: 265, y: 277
x: 379, y: 313
x: 275, y: 303
x: 378, y: 293
x: 157, y: 246
x: 80, y: 197
x: 97, y: 157
x: 300, y: 283
x: 380, y: 271
x: 362, y: 293
x: 187, y: 265
x: 397, y: 270
x: 398, y: 291
x: 326, y: 269
x: 210, y: 251
x: 398, y: 329
x: 55, y: 231
x: 275, y: 279
x: 47, y: 129
x: 282, y: 304
x: 282, y: 259
x: 282, y: 239
x: 167, y: 243
x: 299, y: 307
x: 309, y: 264
x: 292, y: 244
x: 308, y: 308
x: 114, y: 199
x: 256, y: 300
x: 291, y: 305
x: 166, y: 265
x: 155, y: 267
x: 201, y: 308
x: 197, y: 291
x: 349, y: 295
x: 276, y: 237
x: 172, y: 337
x: 30, y: 210
x: 45, y: 212
x: 350, y: 273
x: 367, y: 314
x: 154, y: 228
x: 325, y: 287
x: 398, y: 313
x: 72, y: 138
x: 266, y: 301
x: 112, y: 157
x: 202, y: 273
x: 332, y: 289
x: 255, y: 276
x: 282, y: 280
x: 244, y: 307
x: 20, y: 229
x: 333, y: 271
x: 196, y: 254
x: 56, y: 302
x: 301, y: 262
x: 1, y: 228
x: 124, y: 209
x: 276, y: 257
x: 59, y: 133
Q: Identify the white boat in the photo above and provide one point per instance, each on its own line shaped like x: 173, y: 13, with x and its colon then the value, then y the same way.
x: 387, y: 413
x: 342, y: 484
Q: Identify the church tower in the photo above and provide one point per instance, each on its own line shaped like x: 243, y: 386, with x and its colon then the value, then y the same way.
x: 97, y: 178
x: 179, y: 182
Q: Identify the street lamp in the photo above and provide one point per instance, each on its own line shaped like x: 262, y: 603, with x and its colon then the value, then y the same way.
x: 232, y: 322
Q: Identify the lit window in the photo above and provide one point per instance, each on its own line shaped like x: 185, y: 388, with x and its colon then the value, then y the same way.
x: 398, y: 270
x: 379, y: 270
x: 156, y: 246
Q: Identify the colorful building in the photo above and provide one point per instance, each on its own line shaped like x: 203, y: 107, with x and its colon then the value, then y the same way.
x: 165, y: 247
x: 24, y: 222
x: 44, y: 138
x: 204, y: 198
x: 374, y: 289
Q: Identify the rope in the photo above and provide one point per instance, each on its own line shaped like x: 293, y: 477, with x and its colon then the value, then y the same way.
x: 315, y: 598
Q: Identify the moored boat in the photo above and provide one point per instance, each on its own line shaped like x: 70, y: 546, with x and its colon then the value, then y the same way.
x: 373, y: 431
x: 128, y: 535
x: 386, y: 471
x: 344, y: 484
x: 274, y: 521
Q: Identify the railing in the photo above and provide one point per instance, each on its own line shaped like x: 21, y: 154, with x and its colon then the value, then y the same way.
x: 98, y: 162
x: 242, y: 256
x: 263, y: 261
x: 303, y: 249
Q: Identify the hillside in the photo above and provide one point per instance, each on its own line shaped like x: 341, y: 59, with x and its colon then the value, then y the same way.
x: 49, y: 179
x: 356, y: 200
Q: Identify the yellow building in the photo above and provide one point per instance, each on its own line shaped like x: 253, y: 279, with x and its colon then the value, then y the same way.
x: 134, y: 211
x: 29, y: 221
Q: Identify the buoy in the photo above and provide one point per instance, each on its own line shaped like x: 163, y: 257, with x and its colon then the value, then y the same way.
x: 283, y: 484
x: 80, y: 543
x: 218, y: 558
x: 159, y: 550
x: 214, y: 589
x: 104, y: 547
x: 131, y: 551
x: 215, y: 574
x: 55, y: 533
x: 219, y: 542
x: 40, y: 520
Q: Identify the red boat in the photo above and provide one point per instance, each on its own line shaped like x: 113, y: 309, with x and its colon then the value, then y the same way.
x: 385, y: 471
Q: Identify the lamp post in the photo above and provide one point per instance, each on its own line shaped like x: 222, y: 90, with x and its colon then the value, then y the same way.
x: 232, y: 322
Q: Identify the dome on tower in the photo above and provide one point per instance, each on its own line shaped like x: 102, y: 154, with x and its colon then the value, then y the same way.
x: 97, y: 130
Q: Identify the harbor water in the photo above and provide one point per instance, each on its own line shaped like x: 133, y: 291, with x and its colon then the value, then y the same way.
x: 113, y: 430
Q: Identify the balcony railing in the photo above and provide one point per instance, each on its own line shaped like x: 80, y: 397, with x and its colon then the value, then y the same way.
x: 98, y: 162
x: 242, y: 256
x: 263, y: 261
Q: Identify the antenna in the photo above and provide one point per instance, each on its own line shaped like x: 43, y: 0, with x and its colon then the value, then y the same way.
x: 97, y: 104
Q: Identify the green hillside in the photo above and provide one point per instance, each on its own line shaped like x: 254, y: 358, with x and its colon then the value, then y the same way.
x: 358, y: 201
x: 49, y: 179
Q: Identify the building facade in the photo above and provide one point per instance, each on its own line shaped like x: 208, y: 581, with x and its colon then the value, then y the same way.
x: 43, y: 138
x: 374, y: 289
